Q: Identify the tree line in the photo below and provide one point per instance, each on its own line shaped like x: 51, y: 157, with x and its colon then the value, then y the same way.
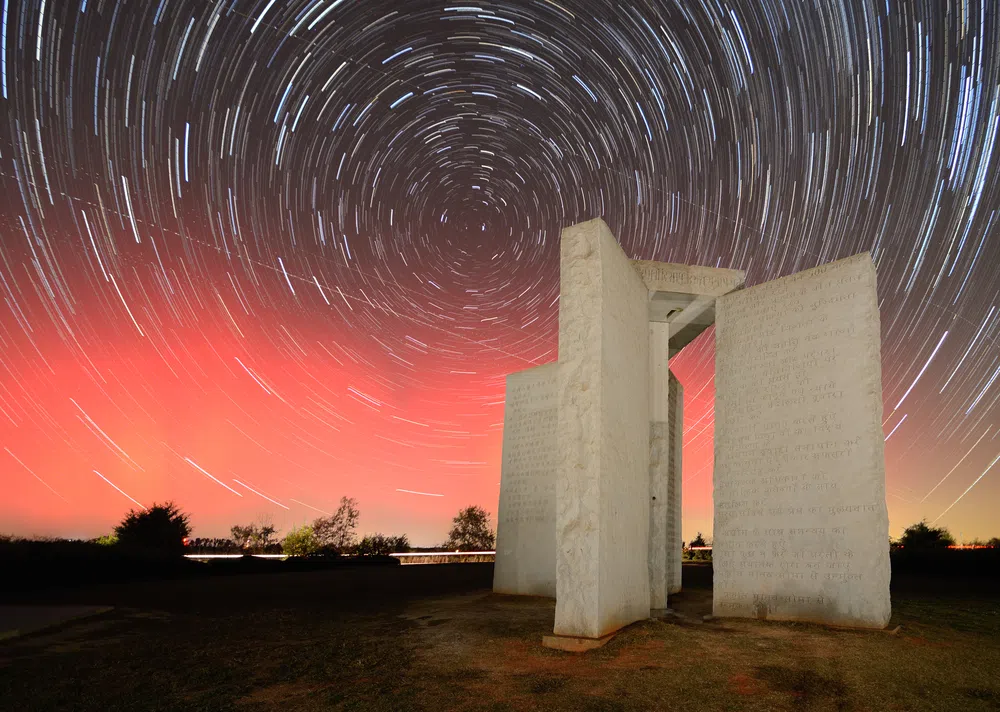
x: 924, y: 536
x: 166, y: 528
x: 920, y: 537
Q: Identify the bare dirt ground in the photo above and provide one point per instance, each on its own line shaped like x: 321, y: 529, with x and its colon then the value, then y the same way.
x: 438, y: 639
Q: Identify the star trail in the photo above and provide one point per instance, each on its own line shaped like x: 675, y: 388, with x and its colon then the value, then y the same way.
x: 259, y: 255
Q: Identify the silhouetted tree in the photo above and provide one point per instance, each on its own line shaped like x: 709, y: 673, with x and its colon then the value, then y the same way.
x: 300, y: 542
x: 336, y: 533
x: 699, y: 540
x: 700, y: 555
x: 255, y: 538
x: 994, y: 542
x: 400, y: 544
x: 381, y: 545
x: 162, y: 527
x: 470, y: 531
x: 923, y: 536
x: 212, y: 545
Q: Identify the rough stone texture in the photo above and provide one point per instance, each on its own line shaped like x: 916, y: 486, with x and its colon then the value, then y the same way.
x: 801, y: 527
x: 526, y: 518
x: 675, y: 544
x: 661, y: 514
x: 602, y: 481
x: 666, y: 437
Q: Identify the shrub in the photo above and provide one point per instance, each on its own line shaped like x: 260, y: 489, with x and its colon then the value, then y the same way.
x: 922, y: 536
x: 382, y: 545
x: 162, y: 527
x: 400, y: 544
x: 300, y: 542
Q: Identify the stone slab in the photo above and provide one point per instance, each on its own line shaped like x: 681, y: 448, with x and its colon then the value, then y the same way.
x: 659, y: 441
x: 602, y: 480
x: 666, y: 423
x: 16, y: 620
x: 526, y: 517
x: 675, y: 472
x: 801, y: 526
x: 688, y: 279
x: 575, y: 644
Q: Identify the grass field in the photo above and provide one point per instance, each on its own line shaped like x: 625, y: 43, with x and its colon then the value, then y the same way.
x: 435, y: 638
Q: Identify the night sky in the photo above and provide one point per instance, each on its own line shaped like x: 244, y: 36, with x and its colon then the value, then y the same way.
x: 257, y: 255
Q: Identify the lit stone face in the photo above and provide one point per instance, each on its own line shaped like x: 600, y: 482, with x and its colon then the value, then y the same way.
x: 665, y: 432
x: 801, y: 527
x: 688, y: 279
x: 684, y: 296
x: 590, y: 507
x: 602, y: 444
x: 526, y: 520
x: 675, y: 545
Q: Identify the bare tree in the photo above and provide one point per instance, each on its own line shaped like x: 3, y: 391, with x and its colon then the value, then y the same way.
x: 337, y: 532
x: 256, y: 537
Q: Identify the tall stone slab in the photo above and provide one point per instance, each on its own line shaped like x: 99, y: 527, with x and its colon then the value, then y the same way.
x: 602, y: 481
x: 526, y: 518
x: 801, y: 527
x: 666, y: 423
x: 659, y: 465
x: 675, y: 448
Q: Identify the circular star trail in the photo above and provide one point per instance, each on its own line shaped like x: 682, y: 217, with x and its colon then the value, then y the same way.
x: 258, y: 255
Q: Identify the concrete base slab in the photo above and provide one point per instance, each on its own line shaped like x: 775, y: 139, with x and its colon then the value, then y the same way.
x: 661, y: 612
x: 574, y: 644
x: 20, y: 620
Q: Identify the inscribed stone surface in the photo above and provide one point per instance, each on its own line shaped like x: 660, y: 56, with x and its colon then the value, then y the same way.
x: 688, y: 279
x: 526, y: 519
x: 602, y: 481
x: 801, y: 527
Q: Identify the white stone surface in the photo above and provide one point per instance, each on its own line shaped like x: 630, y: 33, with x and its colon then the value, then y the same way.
x: 659, y: 478
x: 684, y: 296
x: 526, y: 517
x: 602, y: 481
x: 675, y: 544
x: 688, y: 279
x: 801, y: 527
x: 666, y: 428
